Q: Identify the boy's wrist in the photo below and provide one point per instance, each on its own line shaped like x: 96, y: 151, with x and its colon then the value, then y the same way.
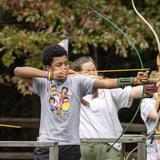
x: 49, y: 75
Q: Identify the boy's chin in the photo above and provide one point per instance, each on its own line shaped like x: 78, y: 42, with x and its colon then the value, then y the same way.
x: 61, y: 78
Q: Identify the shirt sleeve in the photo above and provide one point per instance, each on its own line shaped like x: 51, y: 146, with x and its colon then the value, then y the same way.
x: 145, y: 108
x: 121, y: 97
x: 86, y: 85
x: 37, y: 85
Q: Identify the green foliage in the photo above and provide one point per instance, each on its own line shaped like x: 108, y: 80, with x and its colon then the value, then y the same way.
x: 27, y: 26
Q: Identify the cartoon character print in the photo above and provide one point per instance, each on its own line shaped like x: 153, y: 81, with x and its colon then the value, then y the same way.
x: 65, y: 104
x: 53, y: 99
x: 58, y: 110
x: 64, y: 99
x: 59, y: 101
x: 53, y: 91
x: 52, y: 102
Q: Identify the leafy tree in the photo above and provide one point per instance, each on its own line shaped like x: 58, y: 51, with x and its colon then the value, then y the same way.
x: 27, y: 26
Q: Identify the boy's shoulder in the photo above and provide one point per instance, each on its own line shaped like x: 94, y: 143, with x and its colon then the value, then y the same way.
x: 80, y: 79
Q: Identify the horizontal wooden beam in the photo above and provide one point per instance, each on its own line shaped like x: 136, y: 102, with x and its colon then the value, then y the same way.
x: 34, y: 123
x: 128, y: 138
x: 23, y: 122
x: 27, y: 144
x: 30, y: 155
x: 53, y: 146
x: 16, y: 155
x: 135, y: 127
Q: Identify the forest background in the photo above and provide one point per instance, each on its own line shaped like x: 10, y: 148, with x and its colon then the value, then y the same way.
x: 27, y: 26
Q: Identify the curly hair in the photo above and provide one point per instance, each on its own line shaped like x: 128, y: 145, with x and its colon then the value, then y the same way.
x: 52, y: 51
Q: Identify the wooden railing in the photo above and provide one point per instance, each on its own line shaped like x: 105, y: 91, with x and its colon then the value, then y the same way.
x: 53, y: 148
x: 34, y: 123
x: 132, y: 138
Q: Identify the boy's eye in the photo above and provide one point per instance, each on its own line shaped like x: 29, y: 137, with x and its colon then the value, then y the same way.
x: 58, y: 65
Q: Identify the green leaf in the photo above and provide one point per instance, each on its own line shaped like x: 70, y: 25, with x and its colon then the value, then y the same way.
x: 8, y: 59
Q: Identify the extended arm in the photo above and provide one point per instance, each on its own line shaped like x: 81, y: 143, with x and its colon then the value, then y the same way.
x: 105, y: 83
x: 115, y: 83
x: 29, y: 72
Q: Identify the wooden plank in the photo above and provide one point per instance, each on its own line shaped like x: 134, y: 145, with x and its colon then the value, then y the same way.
x: 23, y: 122
x: 16, y: 155
x: 53, y: 153
x: 135, y: 127
x: 141, y: 151
x: 27, y: 144
x: 53, y: 146
x: 34, y: 123
x: 128, y: 138
x: 30, y: 155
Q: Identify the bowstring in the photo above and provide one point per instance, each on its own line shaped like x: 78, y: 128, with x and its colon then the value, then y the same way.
x: 141, y: 64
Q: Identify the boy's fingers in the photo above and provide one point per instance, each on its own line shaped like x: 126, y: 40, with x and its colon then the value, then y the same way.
x: 71, y: 71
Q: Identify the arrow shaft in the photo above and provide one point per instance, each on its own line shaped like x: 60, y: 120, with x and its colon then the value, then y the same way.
x: 9, y: 126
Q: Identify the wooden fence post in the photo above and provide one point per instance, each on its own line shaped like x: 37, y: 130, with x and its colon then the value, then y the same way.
x: 141, y: 151
x: 53, y: 152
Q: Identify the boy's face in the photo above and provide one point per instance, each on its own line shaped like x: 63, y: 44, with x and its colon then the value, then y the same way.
x: 60, y: 66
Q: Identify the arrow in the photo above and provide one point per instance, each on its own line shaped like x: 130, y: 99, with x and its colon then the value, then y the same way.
x: 9, y: 126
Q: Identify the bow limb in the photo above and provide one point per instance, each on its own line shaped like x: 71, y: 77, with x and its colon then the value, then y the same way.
x: 131, y: 43
x: 157, y: 106
x: 141, y: 63
x: 153, y: 31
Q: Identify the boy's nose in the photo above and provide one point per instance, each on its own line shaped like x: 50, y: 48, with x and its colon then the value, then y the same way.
x: 64, y: 67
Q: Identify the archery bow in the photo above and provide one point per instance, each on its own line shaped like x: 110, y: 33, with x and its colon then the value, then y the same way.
x: 157, y: 106
x: 141, y: 63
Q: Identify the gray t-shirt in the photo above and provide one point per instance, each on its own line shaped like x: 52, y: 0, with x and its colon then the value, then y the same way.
x: 60, y: 107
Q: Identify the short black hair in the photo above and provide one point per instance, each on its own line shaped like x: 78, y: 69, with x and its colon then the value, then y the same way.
x: 52, y: 51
